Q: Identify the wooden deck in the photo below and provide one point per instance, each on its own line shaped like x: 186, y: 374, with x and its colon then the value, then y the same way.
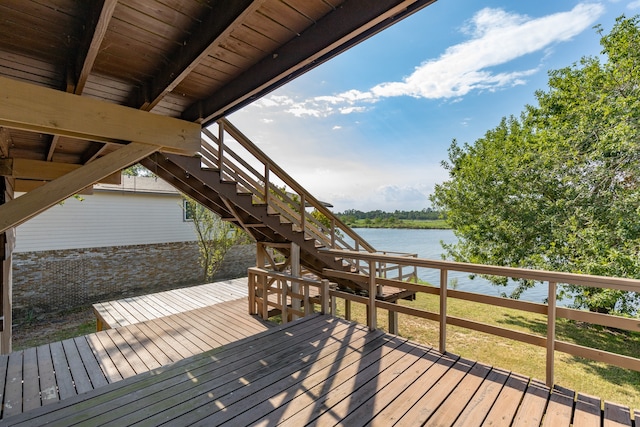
x: 124, y: 312
x: 40, y: 376
x: 326, y: 371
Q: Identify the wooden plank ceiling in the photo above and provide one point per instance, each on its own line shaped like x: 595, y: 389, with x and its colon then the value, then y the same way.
x: 195, y: 60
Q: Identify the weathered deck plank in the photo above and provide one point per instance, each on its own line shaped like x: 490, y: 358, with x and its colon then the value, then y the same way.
x: 484, y: 398
x: 506, y: 406
x: 31, y: 383
x: 559, y: 409
x: 456, y: 402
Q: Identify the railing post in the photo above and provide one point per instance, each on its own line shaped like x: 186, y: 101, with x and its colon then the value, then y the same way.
x: 307, y: 304
x: 221, y: 148
x: 333, y: 233
x: 443, y: 310
x: 551, y: 332
x: 252, y: 293
x: 285, y: 307
x: 302, y: 213
x: 294, y: 258
x: 266, y: 183
x: 324, y: 300
x: 371, y: 321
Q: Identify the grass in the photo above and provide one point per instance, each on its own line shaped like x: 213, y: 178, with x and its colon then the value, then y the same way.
x: 581, y: 375
x: 401, y: 223
x: 58, y: 327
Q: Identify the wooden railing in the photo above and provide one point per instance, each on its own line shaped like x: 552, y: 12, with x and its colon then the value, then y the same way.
x: 293, y: 297
x: 241, y: 161
x: 551, y: 310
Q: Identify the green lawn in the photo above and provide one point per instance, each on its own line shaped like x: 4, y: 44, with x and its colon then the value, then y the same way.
x: 401, y: 223
x: 593, y: 378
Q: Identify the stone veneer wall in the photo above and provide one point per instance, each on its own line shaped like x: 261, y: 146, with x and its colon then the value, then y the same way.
x: 49, y: 281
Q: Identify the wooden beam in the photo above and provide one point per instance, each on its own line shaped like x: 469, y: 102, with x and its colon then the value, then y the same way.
x: 26, y: 185
x: 44, y: 171
x: 97, y: 24
x: 39, y: 109
x: 5, y: 142
x: 220, y: 22
x: 351, y: 23
x: 31, y: 204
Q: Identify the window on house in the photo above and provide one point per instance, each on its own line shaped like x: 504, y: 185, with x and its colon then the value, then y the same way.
x: 188, y: 213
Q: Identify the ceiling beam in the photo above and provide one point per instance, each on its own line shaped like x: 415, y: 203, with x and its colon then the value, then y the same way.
x: 44, y: 171
x: 26, y: 185
x: 351, y: 23
x: 219, y: 23
x: 5, y: 142
x: 19, y: 210
x: 97, y: 24
x: 38, y: 109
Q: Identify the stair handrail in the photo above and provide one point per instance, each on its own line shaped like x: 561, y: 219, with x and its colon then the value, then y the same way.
x: 270, y: 167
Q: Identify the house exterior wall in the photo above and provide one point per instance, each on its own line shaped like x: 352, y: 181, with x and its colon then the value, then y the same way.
x: 107, y: 218
x: 120, y: 241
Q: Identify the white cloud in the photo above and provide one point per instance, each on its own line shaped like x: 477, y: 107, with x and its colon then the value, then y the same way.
x: 498, y: 37
x: 634, y: 5
x: 495, y: 38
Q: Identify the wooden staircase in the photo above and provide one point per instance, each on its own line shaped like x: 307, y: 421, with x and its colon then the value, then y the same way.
x: 235, y: 179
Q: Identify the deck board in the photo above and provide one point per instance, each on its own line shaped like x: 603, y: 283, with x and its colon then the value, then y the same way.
x: 506, y: 405
x: 456, y: 402
x: 484, y: 398
x: 559, y: 409
x: 78, y: 371
x: 425, y: 406
x: 31, y: 383
x: 66, y: 389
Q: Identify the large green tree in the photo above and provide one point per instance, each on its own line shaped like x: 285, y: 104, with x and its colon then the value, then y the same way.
x: 558, y: 187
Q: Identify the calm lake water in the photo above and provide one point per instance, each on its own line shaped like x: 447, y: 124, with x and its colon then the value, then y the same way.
x: 427, y: 244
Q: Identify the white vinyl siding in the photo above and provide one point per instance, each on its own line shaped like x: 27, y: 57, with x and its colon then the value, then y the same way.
x: 107, y: 219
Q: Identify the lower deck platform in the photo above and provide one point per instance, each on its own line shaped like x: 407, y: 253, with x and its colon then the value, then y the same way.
x: 42, y: 375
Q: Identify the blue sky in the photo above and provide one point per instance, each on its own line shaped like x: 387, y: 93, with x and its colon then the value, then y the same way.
x: 369, y: 129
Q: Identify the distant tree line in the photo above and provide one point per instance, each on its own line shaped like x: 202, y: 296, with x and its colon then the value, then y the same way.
x: 351, y: 215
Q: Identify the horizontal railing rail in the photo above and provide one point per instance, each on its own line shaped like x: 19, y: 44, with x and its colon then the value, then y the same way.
x: 550, y: 309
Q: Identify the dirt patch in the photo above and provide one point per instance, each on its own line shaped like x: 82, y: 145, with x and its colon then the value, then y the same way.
x: 53, y: 327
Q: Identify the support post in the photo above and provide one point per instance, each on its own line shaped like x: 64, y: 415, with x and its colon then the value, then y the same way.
x: 551, y: 332
x: 443, y: 310
x: 252, y: 279
x: 262, y: 280
x: 284, y: 287
x: 308, y: 309
x: 221, y: 149
x: 7, y: 241
x: 302, y: 214
x: 266, y: 183
x: 347, y: 309
x: 324, y: 299
x: 294, y: 258
x: 371, y: 312
x: 393, y: 321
